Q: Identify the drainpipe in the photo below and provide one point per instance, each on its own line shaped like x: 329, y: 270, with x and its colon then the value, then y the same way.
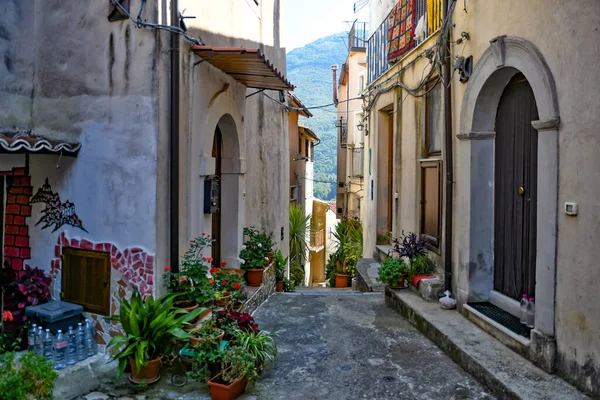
x: 335, y: 97
x: 448, y: 159
x: 174, y: 143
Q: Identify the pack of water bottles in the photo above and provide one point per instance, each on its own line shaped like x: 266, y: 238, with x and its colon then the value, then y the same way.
x: 66, y: 348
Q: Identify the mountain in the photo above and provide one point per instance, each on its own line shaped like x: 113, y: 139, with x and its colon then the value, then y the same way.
x: 309, y: 68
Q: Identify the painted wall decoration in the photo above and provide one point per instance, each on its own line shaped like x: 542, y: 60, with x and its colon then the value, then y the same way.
x: 56, y: 213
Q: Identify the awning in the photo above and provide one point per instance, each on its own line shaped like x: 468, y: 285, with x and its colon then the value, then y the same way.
x: 248, y: 66
x: 25, y: 143
x: 308, y: 132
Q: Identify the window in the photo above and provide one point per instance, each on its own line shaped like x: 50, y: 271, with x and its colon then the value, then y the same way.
x: 86, y: 279
x: 307, y: 147
x: 433, y: 120
x: 299, y: 145
x: 430, y: 201
x: 361, y: 83
x: 357, y: 163
x: 312, y: 151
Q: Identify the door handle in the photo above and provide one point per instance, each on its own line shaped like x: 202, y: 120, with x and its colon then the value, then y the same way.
x: 521, y: 190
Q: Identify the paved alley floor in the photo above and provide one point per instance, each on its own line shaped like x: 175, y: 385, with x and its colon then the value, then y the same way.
x: 341, y: 345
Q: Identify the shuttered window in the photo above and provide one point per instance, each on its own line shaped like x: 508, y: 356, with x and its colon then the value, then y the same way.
x: 430, y: 201
x: 86, y: 279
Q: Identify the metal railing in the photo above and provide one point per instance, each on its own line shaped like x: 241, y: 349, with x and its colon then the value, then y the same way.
x: 357, y: 38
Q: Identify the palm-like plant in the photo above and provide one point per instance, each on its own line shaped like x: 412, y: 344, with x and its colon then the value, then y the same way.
x: 149, y: 326
x: 261, y: 345
x: 299, y: 228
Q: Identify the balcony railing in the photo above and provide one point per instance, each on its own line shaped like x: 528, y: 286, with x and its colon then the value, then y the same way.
x: 357, y: 38
x: 377, y: 48
x: 317, y: 240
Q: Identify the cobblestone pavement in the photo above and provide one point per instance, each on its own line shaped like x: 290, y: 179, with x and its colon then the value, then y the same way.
x: 337, y: 345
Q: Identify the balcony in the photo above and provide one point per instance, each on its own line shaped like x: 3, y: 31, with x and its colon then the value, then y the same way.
x: 426, y: 22
x: 357, y: 38
x: 317, y: 240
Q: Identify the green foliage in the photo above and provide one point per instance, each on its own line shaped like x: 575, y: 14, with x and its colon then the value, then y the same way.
x: 257, y: 247
x: 311, y: 65
x: 330, y: 268
x: 348, y: 235
x: 297, y: 274
x: 393, y: 271
x: 280, y: 263
x: 299, y: 229
x: 32, y: 377
x: 288, y: 285
x: 237, y: 362
x: 149, y: 326
x: 207, y: 360
x: 206, y: 330
x: 261, y: 345
x: 420, y: 265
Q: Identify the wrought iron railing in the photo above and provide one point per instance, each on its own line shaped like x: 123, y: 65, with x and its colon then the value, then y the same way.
x: 357, y: 38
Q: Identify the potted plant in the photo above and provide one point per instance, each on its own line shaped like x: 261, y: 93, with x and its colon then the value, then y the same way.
x: 393, y: 271
x: 280, y: 263
x: 206, y: 332
x: 420, y: 266
x: 228, y: 285
x: 222, y: 297
x: 149, y: 326
x: 192, y: 281
x: 237, y: 369
x: 230, y: 321
x: 254, y: 255
x: 260, y: 344
x: 288, y: 285
x: 206, y: 363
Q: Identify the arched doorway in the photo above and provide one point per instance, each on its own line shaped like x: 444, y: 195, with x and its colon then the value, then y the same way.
x: 217, y: 153
x: 515, y: 190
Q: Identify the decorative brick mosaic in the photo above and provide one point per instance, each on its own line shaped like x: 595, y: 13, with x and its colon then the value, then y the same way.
x: 18, y: 209
x: 262, y: 293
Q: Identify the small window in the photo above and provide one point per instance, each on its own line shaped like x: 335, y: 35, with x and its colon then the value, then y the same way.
x: 430, y: 202
x: 361, y: 83
x: 86, y: 279
x: 433, y: 123
x: 307, y: 147
x: 299, y: 145
x: 312, y: 151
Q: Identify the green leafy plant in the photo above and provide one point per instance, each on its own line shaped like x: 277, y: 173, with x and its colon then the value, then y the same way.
x: 420, y: 265
x: 207, y: 359
x: 280, y: 263
x: 299, y: 234
x: 257, y: 248
x: 288, y: 285
x: 297, y: 274
x: 31, y: 377
x: 149, y: 326
x: 237, y: 362
x: 393, y: 271
x: 206, y: 330
x: 261, y: 345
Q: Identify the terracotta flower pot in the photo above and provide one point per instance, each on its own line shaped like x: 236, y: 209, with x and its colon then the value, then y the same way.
x: 223, y: 391
x: 279, y: 286
x: 341, y: 280
x: 149, y: 373
x: 194, y: 341
x: 222, y: 302
x: 187, y: 305
x: 397, y: 284
x: 254, y: 276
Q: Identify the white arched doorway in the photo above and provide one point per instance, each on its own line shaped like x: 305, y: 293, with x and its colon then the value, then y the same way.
x: 502, y: 61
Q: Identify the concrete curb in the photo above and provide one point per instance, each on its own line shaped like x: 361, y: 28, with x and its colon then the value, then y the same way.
x: 84, y: 377
x: 364, y: 281
x: 506, y: 374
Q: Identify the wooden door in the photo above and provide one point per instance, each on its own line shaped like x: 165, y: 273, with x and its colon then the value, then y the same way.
x: 217, y: 152
x: 515, y: 190
x: 390, y: 176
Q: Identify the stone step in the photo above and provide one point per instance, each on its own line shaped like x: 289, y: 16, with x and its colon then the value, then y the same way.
x: 502, y: 371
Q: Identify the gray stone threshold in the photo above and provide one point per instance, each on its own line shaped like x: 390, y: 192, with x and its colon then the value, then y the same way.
x: 84, y: 377
x: 505, y: 373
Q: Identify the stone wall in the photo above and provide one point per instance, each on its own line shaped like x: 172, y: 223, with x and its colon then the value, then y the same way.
x: 263, y: 292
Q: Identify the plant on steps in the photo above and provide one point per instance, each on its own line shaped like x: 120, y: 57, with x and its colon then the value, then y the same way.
x: 255, y: 254
x: 420, y: 265
x: 261, y: 345
x: 341, y: 266
x: 299, y: 234
x: 150, y: 326
x: 297, y: 274
x: 393, y: 271
x: 409, y: 246
x: 280, y: 263
x: 288, y: 285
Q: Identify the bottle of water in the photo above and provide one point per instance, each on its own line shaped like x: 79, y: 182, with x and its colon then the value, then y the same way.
x: 39, y: 337
x: 523, y: 314
x: 531, y: 313
x: 72, y: 347
x: 47, y: 346
x: 80, y: 336
x: 60, y: 350
x: 90, y: 341
x: 31, y: 337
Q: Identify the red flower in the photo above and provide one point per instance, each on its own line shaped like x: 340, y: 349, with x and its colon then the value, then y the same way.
x: 191, y: 244
x: 223, y: 282
x: 204, y: 258
x: 7, y: 316
x: 167, y: 268
x: 213, y: 270
x: 208, y: 235
x: 211, y: 281
x: 182, y: 278
x: 223, y: 263
x: 237, y: 286
x: 209, y: 259
x: 203, y: 234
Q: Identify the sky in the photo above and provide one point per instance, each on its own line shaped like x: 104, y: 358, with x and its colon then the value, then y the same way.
x: 308, y: 20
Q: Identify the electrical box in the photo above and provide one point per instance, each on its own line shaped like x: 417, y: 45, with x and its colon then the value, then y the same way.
x: 571, y: 208
x: 211, y: 194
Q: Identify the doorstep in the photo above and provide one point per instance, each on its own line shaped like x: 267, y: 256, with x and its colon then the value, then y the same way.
x: 85, y: 376
x: 367, y: 271
x: 505, y: 373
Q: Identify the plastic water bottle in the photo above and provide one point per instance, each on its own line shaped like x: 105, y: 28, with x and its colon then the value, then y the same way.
x: 47, y: 346
x: 31, y: 337
x: 60, y: 350
x: 531, y: 313
x: 90, y: 341
x: 72, y: 347
x: 523, y: 314
x: 39, y: 348
x: 80, y: 336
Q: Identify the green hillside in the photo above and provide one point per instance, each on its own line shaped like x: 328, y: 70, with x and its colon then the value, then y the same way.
x: 309, y: 68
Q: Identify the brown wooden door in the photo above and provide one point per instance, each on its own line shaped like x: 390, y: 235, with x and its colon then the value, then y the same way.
x: 515, y: 190
x: 390, y: 176
x: 217, y: 152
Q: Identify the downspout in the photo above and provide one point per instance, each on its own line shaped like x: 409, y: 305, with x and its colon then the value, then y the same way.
x: 335, y: 96
x: 448, y: 159
x: 174, y: 143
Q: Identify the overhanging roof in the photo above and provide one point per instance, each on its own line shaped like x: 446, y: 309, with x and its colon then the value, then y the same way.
x: 308, y: 132
x: 25, y: 143
x: 295, y: 102
x: 248, y: 66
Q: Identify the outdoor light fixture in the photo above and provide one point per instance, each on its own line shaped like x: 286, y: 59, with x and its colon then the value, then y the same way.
x: 360, y: 126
